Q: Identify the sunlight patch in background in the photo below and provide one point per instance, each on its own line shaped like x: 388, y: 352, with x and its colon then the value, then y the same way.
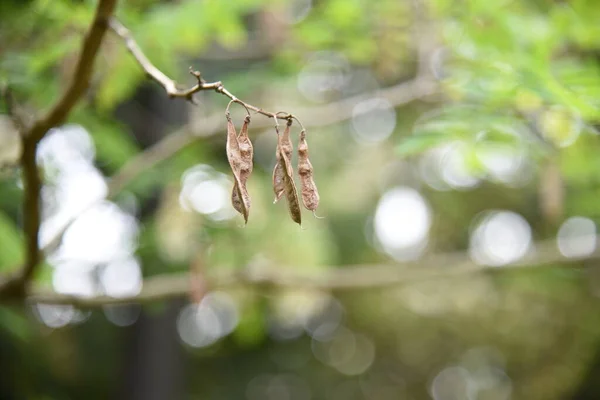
x: 373, y: 120
x: 445, y: 168
x: 95, y: 256
x: 55, y: 316
x: 122, y: 315
x: 298, y: 312
x: 74, y: 278
x: 452, y: 383
x: 66, y: 146
x: 200, y: 325
x: 478, y: 375
x: 402, y: 222
x: 322, y: 324
x: 559, y: 126
x: 122, y: 278
x: 504, y: 164
x: 499, y: 238
x: 461, y: 166
x: 100, y: 235
x: 577, y: 237
x: 207, y: 192
x: 325, y: 75
x: 348, y: 352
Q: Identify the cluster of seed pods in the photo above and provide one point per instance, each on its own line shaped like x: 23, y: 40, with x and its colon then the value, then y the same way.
x: 240, y: 153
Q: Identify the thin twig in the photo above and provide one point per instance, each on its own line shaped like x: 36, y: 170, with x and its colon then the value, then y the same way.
x: 154, y: 73
x: 358, y: 277
x: 170, y: 85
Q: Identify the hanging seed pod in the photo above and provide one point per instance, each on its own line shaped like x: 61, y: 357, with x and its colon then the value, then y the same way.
x: 279, y: 171
x: 284, y: 148
x: 246, y: 166
x: 278, y: 176
x: 246, y: 151
x: 240, y: 198
x: 310, y: 194
x: 292, y: 198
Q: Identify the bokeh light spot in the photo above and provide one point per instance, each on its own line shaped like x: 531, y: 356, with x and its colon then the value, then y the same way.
x: 402, y: 223
x: 499, y: 238
x: 373, y: 120
x: 122, y: 278
x: 200, y: 325
x: 577, y: 237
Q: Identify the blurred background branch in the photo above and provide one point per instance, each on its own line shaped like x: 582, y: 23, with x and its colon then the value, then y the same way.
x: 341, y: 278
x: 31, y: 136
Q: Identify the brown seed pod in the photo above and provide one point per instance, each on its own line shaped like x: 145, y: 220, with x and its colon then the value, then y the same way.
x: 246, y: 166
x: 284, y: 147
x: 278, y: 177
x: 310, y: 194
x: 279, y: 171
x: 239, y: 198
x: 292, y: 198
x: 246, y: 151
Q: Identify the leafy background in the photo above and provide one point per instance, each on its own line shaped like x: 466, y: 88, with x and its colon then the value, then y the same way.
x: 508, y: 145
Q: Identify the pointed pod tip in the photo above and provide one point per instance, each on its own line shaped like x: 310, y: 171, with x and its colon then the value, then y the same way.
x: 314, y: 212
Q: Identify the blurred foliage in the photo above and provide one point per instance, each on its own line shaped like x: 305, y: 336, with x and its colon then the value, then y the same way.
x: 518, y: 77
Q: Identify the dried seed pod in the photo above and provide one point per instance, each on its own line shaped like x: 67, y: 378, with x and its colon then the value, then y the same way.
x: 278, y: 177
x: 240, y: 198
x: 284, y: 151
x: 310, y: 194
x: 285, y: 143
x: 292, y: 198
x: 246, y: 165
x: 239, y: 192
x: 246, y: 151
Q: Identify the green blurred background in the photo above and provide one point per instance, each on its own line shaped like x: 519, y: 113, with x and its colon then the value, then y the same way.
x: 454, y: 131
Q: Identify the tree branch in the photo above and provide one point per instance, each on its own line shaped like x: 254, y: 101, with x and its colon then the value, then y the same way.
x: 81, y: 76
x: 32, y: 182
x: 358, y: 277
x: 170, y: 86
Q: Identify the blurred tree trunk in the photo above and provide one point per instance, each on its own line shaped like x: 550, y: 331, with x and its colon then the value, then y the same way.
x: 154, y: 360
